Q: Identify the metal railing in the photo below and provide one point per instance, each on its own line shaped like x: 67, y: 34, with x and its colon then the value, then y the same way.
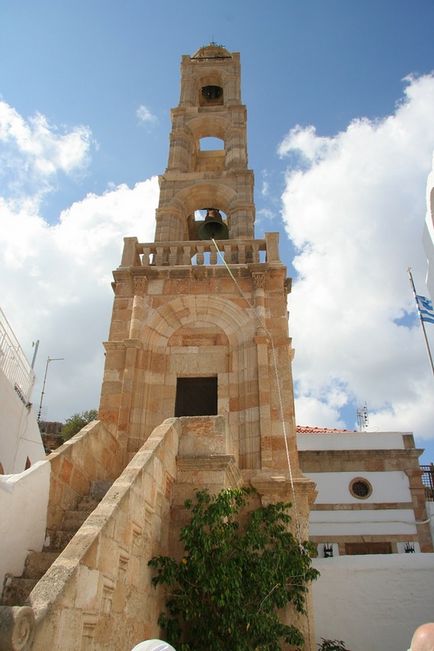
x: 13, y: 362
x: 427, y: 474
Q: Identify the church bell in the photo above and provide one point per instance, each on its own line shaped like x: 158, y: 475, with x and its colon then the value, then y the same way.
x: 213, y: 228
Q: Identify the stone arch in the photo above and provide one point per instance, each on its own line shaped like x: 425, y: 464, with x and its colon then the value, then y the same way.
x: 209, y: 125
x: 165, y: 359
x: 215, y: 336
x: 213, y: 78
x: 203, y: 195
x: 203, y: 126
x: 236, y: 323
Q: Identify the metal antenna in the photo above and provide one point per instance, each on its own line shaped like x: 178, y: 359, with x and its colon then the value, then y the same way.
x: 362, y: 418
x: 49, y: 359
x: 35, y: 345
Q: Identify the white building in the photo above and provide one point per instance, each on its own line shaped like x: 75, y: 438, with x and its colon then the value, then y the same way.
x: 371, y: 498
x: 428, y: 235
x: 20, y: 440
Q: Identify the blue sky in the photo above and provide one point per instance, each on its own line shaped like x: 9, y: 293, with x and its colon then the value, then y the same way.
x: 347, y: 186
x: 93, y: 63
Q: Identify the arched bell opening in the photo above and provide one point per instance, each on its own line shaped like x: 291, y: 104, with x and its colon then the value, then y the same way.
x: 210, y: 89
x: 207, y: 195
x: 207, y: 224
x: 211, y: 94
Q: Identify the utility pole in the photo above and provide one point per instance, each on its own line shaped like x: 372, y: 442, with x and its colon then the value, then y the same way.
x: 49, y: 359
x: 410, y: 275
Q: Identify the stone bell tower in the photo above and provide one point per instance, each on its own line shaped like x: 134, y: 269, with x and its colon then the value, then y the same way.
x: 200, y: 324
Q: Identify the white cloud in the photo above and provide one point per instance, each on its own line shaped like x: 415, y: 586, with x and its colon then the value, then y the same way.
x: 264, y: 214
x: 33, y: 151
x: 305, y: 141
x: 354, y: 207
x: 145, y: 115
x: 55, y: 278
x: 55, y: 284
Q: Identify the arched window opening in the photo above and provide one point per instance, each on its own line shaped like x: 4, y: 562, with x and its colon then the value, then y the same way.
x: 208, y: 223
x: 28, y: 464
x: 210, y: 143
x: 211, y: 95
x: 210, y: 154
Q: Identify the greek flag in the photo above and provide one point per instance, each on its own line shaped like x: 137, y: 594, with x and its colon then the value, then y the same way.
x: 425, y: 308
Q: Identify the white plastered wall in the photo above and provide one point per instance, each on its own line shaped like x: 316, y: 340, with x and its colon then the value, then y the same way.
x: 23, y: 508
x: 19, y: 431
x: 359, y: 523
x: 428, y: 234
x: 334, y: 487
x: 373, y: 602
x: 430, y: 514
x: 351, y: 441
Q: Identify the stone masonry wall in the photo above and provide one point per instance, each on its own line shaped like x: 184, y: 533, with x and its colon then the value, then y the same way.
x: 92, y: 454
x: 98, y: 593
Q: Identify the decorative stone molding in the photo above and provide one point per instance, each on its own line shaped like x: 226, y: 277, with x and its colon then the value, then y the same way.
x: 17, y: 628
x: 140, y: 285
x: 277, y: 488
x: 258, y: 280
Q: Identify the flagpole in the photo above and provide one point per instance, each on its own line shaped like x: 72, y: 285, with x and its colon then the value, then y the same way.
x: 410, y: 275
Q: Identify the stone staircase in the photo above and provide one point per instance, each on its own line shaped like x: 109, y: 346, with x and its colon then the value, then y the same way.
x: 17, y: 589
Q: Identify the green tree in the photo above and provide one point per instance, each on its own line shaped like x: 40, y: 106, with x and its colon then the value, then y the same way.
x: 240, y: 566
x: 76, y: 422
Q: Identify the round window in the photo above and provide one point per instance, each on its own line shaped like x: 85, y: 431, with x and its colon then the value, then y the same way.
x: 360, y: 488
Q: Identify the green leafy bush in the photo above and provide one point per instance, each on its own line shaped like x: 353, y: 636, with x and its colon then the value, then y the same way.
x: 77, y: 422
x: 226, y: 591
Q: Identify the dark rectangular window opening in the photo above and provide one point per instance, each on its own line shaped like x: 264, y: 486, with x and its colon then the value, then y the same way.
x: 356, y: 549
x: 196, y: 396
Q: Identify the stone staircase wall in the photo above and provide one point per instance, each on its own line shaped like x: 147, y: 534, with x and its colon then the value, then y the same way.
x: 98, y: 593
x: 92, y: 454
x: 34, y: 502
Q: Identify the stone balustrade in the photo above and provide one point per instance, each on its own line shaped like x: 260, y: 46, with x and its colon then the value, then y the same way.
x: 200, y: 252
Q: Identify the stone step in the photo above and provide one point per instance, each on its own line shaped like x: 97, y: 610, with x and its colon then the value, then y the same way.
x: 72, y: 520
x: 58, y: 540
x: 99, y: 488
x: 37, y: 563
x: 87, y: 504
x: 16, y: 590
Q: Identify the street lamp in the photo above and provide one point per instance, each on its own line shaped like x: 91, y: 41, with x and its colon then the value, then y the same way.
x: 49, y: 359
